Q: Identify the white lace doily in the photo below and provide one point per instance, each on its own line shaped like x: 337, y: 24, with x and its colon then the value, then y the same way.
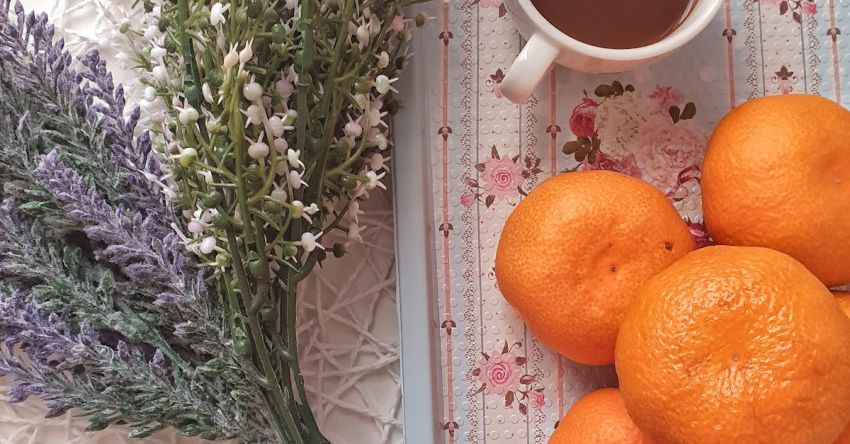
x: 349, y: 322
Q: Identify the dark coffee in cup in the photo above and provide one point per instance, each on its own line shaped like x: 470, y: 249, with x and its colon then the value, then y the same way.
x: 617, y: 24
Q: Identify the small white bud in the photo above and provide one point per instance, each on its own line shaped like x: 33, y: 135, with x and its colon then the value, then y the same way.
x: 381, y: 141
x: 279, y: 194
x: 207, y: 245
x: 207, y: 93
x: 158, y: 52
x: 188, y: 116
x: 196, y: 227
x: 247, y: 53
x: 159, y: 73
x: 277, y: 126
x: 231, y: 59
x: 150, y: 93
x: 258, y: 150
x: 353, y: 129
x: 383, y: 59
x: 281, y: 145
x: 252, y: 91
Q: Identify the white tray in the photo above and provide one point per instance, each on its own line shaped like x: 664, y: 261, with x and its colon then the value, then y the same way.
x: 446, y: 249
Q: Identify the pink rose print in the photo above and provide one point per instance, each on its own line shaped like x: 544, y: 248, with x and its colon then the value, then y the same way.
x: 493, y: 4
x: 502, y: 177
x: 467, y: 199
x: 503, y: 375
x: 794, y: 8
x: 651, y: 136
x: 538, y: 399
x: 664, y: 149
x: 583, y: 119
x: 500, y: 374
x: 810, y: 8
x: 627, y: 165
x: 666, y: 97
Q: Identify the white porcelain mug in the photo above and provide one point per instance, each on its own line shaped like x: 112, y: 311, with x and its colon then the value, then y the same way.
x: 547, y: 46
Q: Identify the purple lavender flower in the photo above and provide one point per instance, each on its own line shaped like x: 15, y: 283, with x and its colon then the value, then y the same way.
x: 157, y: 363
x: 34, y: 62
x: 146, y: 252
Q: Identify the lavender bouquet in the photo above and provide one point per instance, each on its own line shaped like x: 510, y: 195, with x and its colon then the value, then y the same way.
x: 149, y: 272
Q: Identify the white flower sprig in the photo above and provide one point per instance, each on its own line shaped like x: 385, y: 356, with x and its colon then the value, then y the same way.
x: 271, y: 135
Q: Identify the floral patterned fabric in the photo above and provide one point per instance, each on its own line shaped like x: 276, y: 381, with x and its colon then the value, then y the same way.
x: 653, y: 123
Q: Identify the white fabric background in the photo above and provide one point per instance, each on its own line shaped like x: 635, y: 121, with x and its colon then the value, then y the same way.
x: 349, y: 322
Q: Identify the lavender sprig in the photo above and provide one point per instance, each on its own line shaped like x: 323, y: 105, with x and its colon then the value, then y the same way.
x: 55, y: 349
x: 149, y: 254
x: 56, y: 276
x: 52, y: 105
x: 68, y: 154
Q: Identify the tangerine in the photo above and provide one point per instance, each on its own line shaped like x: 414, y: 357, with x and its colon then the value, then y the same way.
x: 599, y: 417
x: 574, y: 252
x: 736, y: 344
x: 777, y: 175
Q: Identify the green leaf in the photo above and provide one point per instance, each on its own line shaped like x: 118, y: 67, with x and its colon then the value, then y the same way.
x: 581, y: 155
x: 211, y: 366
x: 604, y: 91
x: 689, y: 112
x: 509, y: 399
x: 675, y: 114
x: 144, y: 431
x: 571, y: 147
x: 71, y: 258
x: 190, y: 429
x: 34, y: 206
x: 97, y: 422
x: 107, y: 283
x: 618, y: 88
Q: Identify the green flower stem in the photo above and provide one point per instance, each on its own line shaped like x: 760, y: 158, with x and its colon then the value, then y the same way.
x: 262, y: 294
x: 237, y: 130
x: 278, y: 404
x: 189, y: 57
x: 213, y: 169
x: 341, y: 168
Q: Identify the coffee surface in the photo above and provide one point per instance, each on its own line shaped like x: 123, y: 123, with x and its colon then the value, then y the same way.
x: 618, y: 24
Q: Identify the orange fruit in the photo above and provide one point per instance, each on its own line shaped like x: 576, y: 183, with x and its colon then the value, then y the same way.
x: 736, y: 345
x: 843, y: 299
x: 599, y: 417
x: 844, y: 438
x: 777, y: 175
x: 574, y: 252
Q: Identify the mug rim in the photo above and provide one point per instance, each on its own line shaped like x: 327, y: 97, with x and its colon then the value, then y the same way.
x: 684, y: 34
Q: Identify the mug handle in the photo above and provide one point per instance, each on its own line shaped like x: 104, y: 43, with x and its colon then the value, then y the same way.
x: 529, y: 68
